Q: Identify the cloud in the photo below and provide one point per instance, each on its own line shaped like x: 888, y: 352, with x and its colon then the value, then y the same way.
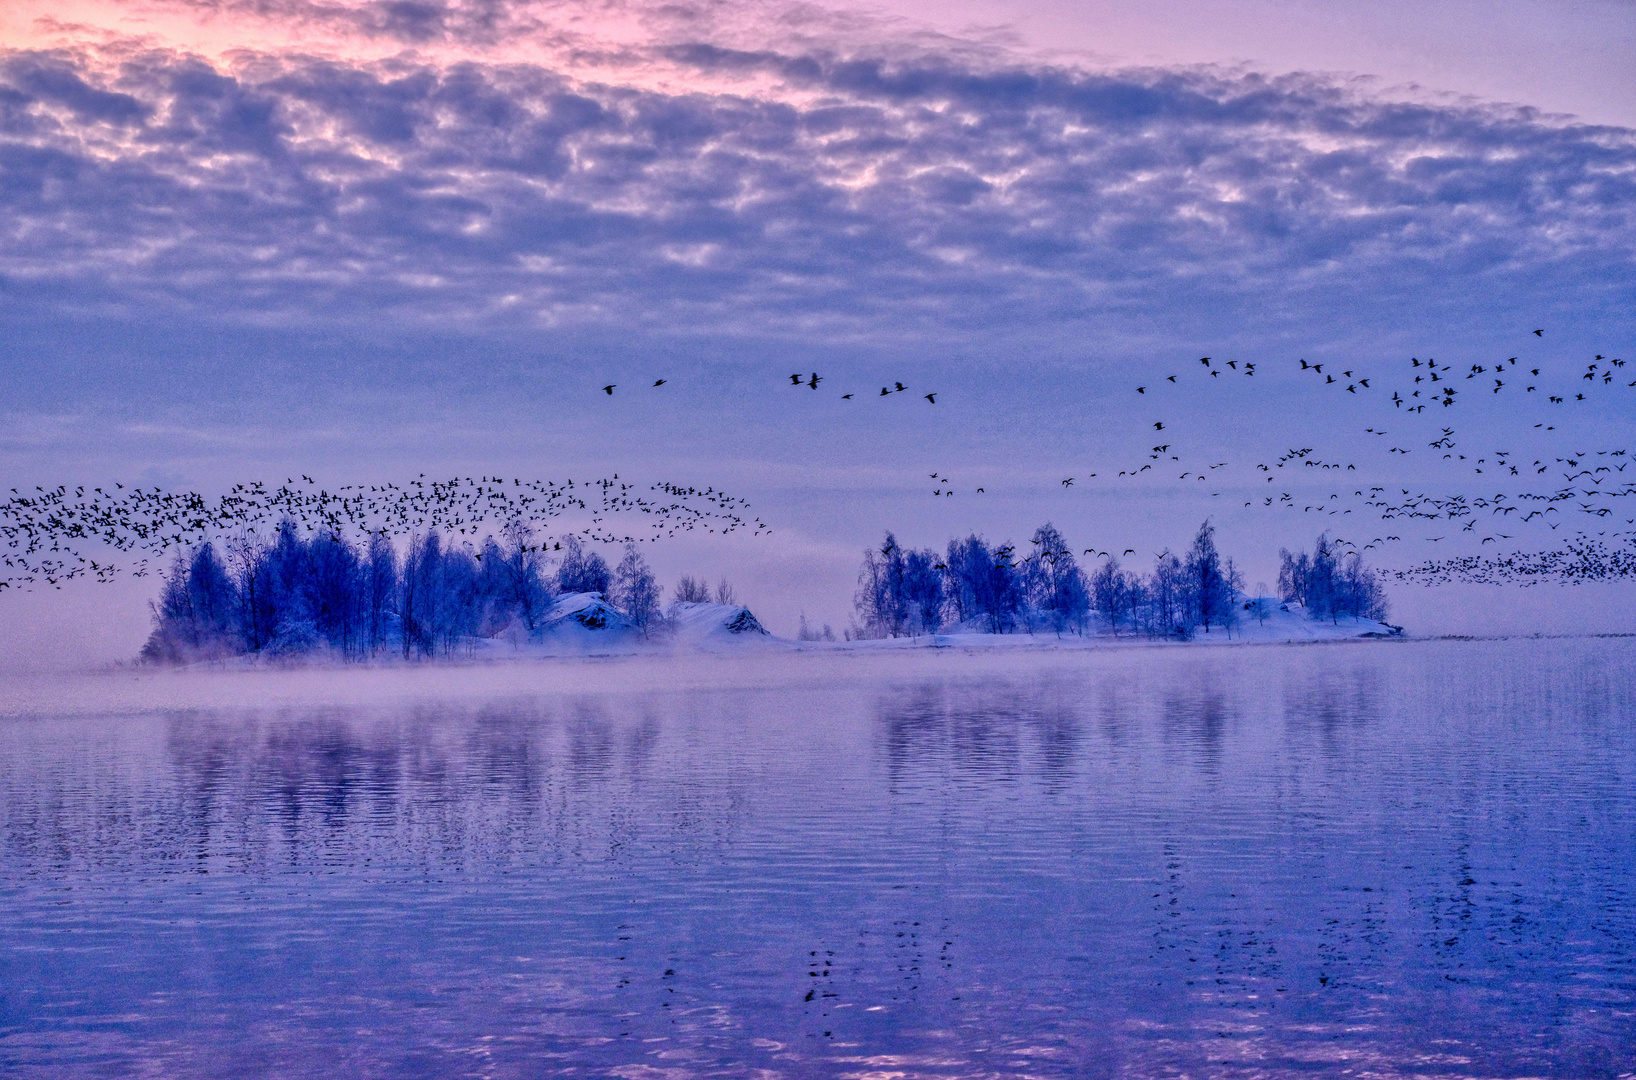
x: 903, y: 196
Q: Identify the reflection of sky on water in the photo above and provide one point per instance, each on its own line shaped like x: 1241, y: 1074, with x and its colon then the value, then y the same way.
x: 1404, y: 859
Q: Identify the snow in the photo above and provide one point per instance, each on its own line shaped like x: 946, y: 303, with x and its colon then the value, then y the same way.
x: 586, y: 624
x: 1262, y: 620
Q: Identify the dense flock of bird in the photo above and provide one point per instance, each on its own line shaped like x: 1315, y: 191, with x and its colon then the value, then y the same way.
x: 52, y: 535
x: 1588, y: 484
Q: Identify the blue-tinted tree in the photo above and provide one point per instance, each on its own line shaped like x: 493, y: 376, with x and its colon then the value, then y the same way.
x: 922, y: 592
x: 1114, y: 592
x: 1054, y: 587
x: 880, y: 596
x: 380, y: 590
x: 1170, y: 612
x: 332, y: 588
x: 1210, y: 592
x: 1329, y: 585
x: 691, y: 590
x: 196, y: 616
x: 582, y: 571
x: 519, y: 564
x: 636, y: 593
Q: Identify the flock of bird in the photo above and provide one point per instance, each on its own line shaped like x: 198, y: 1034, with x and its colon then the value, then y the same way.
x: 52, y: 535
x: 1592, y: 482
x: 1583, y: 558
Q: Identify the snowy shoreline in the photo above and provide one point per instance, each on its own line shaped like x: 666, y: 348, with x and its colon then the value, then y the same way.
x: 585, y: 625
x: 219, y: 688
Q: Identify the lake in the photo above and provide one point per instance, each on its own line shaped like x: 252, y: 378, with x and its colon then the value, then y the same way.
x: 1384, y: 859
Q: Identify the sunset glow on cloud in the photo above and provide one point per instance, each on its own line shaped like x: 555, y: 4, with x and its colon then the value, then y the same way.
x: 244, y: 235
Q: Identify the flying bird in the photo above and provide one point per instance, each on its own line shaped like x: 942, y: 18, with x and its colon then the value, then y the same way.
x: 932, y: 398
x: 609, y: 389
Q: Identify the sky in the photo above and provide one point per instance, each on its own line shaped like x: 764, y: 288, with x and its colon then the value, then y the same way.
x: 363, y: 241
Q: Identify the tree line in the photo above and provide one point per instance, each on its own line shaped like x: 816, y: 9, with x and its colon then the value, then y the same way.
x: 906, y: 592
x: 292, y: 596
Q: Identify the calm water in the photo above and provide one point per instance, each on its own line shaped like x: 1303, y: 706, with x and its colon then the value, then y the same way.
x: 1388, y: 860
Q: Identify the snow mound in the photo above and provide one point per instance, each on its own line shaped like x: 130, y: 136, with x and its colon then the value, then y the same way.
x: 587, y: 624
x: 1290, y: 622
x: 702, y: 624
x: 576, y: 614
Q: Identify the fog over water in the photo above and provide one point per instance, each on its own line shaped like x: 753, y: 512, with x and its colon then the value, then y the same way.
x: 1401, y: 858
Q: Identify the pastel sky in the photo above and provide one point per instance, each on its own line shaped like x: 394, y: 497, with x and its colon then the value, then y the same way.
x: 240, y: 240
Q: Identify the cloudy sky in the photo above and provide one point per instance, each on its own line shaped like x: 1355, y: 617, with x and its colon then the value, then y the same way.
x: 248, y: 238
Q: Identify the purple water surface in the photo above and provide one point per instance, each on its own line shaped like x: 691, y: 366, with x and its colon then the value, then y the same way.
x: 1393, y: 859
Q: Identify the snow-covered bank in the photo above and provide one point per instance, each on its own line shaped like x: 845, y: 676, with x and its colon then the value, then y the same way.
x: 582, y: 624
x: 585, y: 625
x: 1262, y: 622
x: 203, y: 690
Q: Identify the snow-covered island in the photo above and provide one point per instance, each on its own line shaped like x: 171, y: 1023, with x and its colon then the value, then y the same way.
x: 586, y: 624
x: 324, y: 599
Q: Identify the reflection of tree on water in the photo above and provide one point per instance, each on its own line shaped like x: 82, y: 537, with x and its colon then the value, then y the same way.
x: 1197, y: 716
x: 432, y: 785
x: 985, y: 734
x: 1333, y: 703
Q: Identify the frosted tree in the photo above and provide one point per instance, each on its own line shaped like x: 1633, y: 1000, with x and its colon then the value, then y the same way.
x: 635, y: 591
x: 1328, y: 585
x: 196, y: 616
x: 879, y: 599
x: 519, y: 567
x: 379, y: 592
x: 921, y: 592
x: 1209, y: 590
x: 582, y: 571
x: 725, y: 593
x: 691, y: 590
x: 984, y: 583
x: 1167, y: 598
x: 1053, y: 583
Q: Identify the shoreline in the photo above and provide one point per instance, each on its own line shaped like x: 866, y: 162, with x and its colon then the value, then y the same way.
x: 209, y: 688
